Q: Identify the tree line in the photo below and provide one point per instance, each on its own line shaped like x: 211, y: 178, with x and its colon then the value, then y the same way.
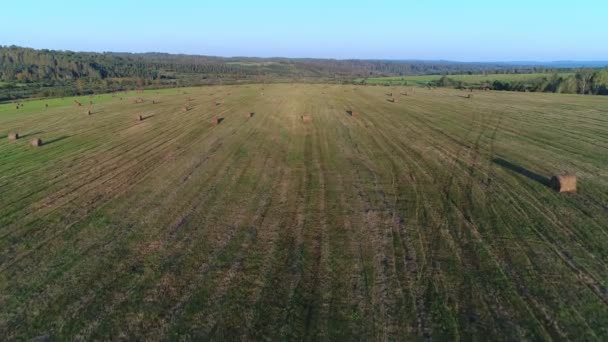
x: 583, y: 81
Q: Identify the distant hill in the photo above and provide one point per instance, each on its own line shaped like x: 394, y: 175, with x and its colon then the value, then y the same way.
x: 26, y: 72
x: 563, y: 64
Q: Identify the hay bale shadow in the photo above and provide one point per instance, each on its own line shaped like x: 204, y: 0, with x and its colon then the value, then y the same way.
x: 522, y: 171
x: 48, y: 142
x: 27, y: 135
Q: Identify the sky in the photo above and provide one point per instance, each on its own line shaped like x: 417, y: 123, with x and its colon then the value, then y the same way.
x: 465, y: 30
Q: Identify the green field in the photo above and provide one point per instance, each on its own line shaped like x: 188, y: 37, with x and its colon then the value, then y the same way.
x: 468, y: 79
x: 425, y: 218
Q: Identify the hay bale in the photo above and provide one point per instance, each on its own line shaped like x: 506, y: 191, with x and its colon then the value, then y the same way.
x: 140, y: 118
x: 89, y: 112
x: 404, y: 94
x: 392, y: 100
x: 306, y: 118
x: 352, y: 113
x: 563, y: 183
x: 389, y: 94
x: 250, y: 114
x: 469, y: 96
x: 215, y: 120
x: 36, y: 142
x: 13, y: 136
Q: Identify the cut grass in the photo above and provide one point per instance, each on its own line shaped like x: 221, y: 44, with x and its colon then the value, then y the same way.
x: 429, y: 217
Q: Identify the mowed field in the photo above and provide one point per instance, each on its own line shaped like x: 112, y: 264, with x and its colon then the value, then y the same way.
x: 429, y: 217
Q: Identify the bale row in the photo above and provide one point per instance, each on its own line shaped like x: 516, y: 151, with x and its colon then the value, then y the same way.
x: 34, y: 142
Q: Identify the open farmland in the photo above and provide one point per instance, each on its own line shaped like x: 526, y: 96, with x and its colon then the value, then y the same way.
x: 475, y: 80
x: 426, y: 217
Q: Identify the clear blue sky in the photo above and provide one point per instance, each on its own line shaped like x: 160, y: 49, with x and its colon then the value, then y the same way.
x: 473, y: 30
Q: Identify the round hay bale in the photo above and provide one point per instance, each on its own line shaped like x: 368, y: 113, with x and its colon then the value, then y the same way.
x: 250, y: 114
x: 215, y: 120
x: 140, y: 118
x: 36, y: 142
x: 306, y: 118
x: 563, y: 183
x: 13, y: 136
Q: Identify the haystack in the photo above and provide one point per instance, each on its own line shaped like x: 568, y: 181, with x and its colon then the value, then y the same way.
x: 13, y: 136
x: 306, y: 118
x: 36, y: 142
x: 563, y: 183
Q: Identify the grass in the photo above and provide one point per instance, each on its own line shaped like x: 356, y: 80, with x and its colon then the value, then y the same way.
x: 468, y: 79
x: 428, y: 217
